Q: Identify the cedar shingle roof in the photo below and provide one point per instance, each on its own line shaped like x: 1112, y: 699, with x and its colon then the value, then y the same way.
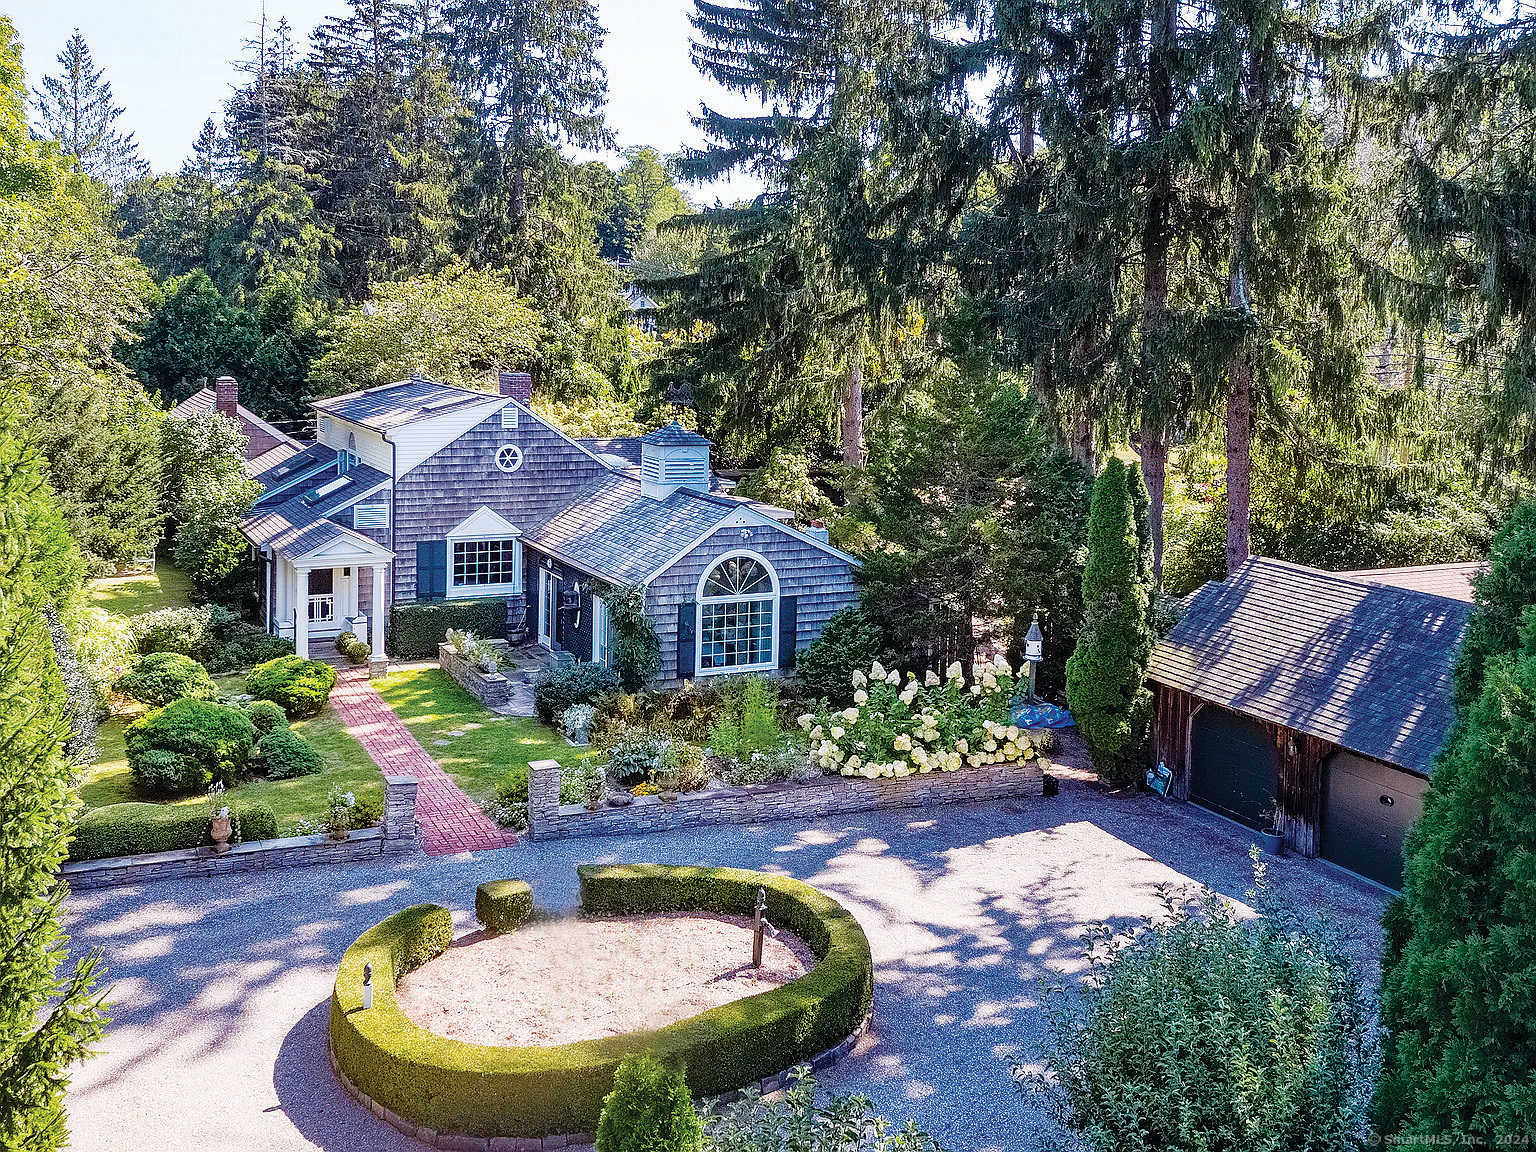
x: 263, y: 440
x: 296, y: 520
x: 614, y: 531
x: 391, y: 405
x: 674, y: 434
x: 1453, y: 581
x: 1362, y: 665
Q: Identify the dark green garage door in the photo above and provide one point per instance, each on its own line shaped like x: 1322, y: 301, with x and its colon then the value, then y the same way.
x: 1234, y: 767
x: 1367, y: 808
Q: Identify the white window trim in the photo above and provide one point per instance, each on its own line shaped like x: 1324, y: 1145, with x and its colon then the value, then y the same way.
x: 471, y: 591
x: 601, y: 636
x: 698, y: 623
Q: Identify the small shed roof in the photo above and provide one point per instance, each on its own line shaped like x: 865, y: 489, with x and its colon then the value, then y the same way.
x: 674, y: 434
x: 1363, y: 665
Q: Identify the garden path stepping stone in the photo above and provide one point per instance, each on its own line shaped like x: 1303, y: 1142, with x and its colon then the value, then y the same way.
x: 442, y: 743
x: 455, y: 732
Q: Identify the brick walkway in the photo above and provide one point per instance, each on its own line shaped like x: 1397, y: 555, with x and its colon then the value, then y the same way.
x: 450, y: 820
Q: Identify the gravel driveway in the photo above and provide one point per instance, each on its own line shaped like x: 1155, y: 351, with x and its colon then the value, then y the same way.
x: 217, y: 1040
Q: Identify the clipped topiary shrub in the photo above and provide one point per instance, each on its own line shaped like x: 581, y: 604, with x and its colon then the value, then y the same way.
x: 286, y: 754
x: 300, y: 686
x: 160, y: 677
x: 184, y: 630
x: 189, y: 744
x: 266, y: 716
x: 502, y: 905
x: 649, y: 1110
x: 351, y: 645
x: 417, y: 627
x: 133, y: 829
x: 478, y: 1090
x: 574, y: 684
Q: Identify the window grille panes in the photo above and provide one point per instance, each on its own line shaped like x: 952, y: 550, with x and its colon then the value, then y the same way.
x: 736, y: 634
x: 484, y: 562
x: 739, y: 576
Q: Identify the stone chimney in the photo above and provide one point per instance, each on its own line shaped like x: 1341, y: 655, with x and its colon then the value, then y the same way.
x: 226, y: 396
x: 518, y: 385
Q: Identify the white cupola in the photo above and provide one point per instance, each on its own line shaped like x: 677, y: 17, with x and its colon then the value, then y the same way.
x: 673, y: 458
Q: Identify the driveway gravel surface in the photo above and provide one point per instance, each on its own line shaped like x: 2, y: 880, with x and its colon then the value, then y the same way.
x: 217, y: 1041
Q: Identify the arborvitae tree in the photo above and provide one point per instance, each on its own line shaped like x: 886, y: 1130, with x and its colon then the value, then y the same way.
x: 1458, y: 993
x: 49, y: 1015
x: 649, y: 1110
x: 75, y: 108
x: 531, y: 74
x: 1502, y: 594
x: 1106, y: 674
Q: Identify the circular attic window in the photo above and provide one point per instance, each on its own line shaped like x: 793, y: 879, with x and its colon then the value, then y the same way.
x: 509, y: 457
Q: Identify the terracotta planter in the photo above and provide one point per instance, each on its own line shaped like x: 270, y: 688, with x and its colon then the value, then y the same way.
x: 219, y: 831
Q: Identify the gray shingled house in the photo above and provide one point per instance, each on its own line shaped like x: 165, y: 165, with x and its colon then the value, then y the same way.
x: 419, y: 490
x: 1325, y: 694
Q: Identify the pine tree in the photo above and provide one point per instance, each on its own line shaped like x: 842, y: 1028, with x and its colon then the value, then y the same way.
x: 649, y: 1110
x: 49, y: 1015
x: 1105, y: 675
x: 1458, y: 992
x: 75, y: 108
x: 530, y: 72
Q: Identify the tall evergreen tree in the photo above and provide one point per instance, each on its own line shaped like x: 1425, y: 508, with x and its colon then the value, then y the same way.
x: 49, y: 1015
x: 530, y: 72
x: 1106, y: 674
x: 75, y: 108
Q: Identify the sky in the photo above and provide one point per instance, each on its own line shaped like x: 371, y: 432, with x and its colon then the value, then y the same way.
x: 169, y: 63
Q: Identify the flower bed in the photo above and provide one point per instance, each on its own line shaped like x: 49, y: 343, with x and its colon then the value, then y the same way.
x: 895, y: 728
x: 492, y: 689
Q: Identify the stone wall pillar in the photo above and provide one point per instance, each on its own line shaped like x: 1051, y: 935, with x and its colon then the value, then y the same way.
x: 543, y: 795
x: 400, y: 809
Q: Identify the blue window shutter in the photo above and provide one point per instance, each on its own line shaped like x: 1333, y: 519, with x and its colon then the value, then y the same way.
x: 687, y: 638
x: 431, y: 569
x: 789, y: 626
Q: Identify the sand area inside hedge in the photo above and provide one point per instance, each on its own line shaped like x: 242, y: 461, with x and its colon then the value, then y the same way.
x: 558, y: 981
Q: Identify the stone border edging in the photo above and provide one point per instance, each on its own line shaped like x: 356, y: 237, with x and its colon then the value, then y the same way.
x: 398, y: 835
x: 548, y: 819
x: 580, y: 1141
x: 492, y: 689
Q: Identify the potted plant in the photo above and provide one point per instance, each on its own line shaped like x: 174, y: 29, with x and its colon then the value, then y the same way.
x: 338, y: 814
x: 577, y: 721
x: 1271, y: 835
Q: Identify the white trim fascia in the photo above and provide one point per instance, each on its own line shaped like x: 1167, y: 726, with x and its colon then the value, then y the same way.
x: 483, y: 523
x: 367, y: 548
x: 742, y: 517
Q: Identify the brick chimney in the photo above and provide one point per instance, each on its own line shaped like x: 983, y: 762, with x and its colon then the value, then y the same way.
x: 518, y: 385
x: 226, y: 396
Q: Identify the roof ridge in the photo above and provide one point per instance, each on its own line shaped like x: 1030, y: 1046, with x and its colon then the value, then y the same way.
x: 1341, y: 578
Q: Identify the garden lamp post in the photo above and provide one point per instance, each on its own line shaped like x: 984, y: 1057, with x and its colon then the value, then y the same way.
x: 1034, y: 651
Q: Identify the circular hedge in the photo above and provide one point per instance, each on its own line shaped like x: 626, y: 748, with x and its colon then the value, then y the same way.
x: 479, y: 1090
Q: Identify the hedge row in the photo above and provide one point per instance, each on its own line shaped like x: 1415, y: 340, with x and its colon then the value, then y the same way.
x: 503, y: 905
x: 132, y: 829
x: 417, y: 627
x: 471, y: 1089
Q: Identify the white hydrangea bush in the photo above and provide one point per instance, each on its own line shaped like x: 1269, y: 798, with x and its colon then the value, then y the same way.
x: 901, y: 726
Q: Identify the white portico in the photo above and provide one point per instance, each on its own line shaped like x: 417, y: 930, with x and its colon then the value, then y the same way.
x: 318, y: 595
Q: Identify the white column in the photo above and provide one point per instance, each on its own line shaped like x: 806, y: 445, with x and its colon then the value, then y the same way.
x: 376, y: 612
x: 301, y: 613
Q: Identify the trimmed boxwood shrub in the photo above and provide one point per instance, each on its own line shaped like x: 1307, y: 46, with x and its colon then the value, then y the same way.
x: 184, y: 630
x: 351, y: 645
x: 287, y: 754
x: 301, y: 686
x: 266, y: 716
x: 502, y: 905
x: 189, y: 744
x: 472, y: 1089
x: 248, y: 651
x: 573, y: 684
x: 160, y: 677
x: 131, y: 829
x: 417, y: 627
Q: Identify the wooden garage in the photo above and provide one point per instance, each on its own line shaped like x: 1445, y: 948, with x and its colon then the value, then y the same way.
x: 1323, y: 694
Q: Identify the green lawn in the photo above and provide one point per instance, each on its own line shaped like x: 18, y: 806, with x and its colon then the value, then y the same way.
x: 108, y: 780
x: 165, y: 587
x: 433, y: 707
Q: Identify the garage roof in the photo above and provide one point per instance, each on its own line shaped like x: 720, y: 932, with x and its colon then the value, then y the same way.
x: 1363, y: 665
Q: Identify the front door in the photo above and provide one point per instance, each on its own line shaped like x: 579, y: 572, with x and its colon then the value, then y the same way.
x: 547, y: 590
x: 322, y: 602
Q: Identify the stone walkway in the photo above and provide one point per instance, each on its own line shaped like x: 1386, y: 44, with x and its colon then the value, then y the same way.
x: 450, y: 821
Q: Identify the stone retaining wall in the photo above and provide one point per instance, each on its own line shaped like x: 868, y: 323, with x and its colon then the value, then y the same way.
x: 398, y: 835
x: 548, y: 819
x: 493, y: 690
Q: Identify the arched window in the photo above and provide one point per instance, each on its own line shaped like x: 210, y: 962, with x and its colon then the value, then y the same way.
x: 737, y: 600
